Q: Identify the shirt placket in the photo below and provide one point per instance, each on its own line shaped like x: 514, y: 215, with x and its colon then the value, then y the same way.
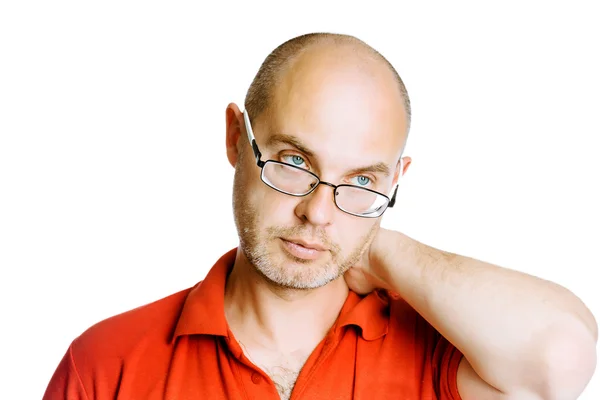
x: 254, y: 382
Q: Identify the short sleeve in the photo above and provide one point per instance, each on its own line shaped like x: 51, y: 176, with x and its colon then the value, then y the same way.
x: 65, y: 383
x: 436, y: 359
x: 446, y: 359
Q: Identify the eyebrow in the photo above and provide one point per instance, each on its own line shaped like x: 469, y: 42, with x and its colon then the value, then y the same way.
x: 276, y: 139
x: 291, y: 140
x: 380, y: 168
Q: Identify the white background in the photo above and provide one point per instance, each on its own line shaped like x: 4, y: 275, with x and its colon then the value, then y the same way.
x: 114, y: 186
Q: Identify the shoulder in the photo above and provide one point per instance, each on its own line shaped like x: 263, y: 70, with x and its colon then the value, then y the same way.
x: 401, y: 313
x: 114, y: 338
x: 407, y: 323
x: 123, y: 345
x: 436, y: 359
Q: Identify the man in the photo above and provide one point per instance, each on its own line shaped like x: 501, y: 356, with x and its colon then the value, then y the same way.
x: 318, y: 301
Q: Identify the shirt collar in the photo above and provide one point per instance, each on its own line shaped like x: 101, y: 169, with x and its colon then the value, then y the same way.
x: 203, y: 312
x: 370, y: 313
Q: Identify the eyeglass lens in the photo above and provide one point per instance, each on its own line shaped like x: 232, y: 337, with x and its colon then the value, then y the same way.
x: 297, y: 181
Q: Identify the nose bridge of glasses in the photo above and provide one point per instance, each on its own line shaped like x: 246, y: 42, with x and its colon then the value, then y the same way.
x: 320, y: 204
x: 297, y: 181
x: 325, y: 183
x: 314, y: 186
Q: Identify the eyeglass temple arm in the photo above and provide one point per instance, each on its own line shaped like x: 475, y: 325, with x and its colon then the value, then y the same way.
x: 251, y: 139
x: 393, y: 200
x: 260, y: 163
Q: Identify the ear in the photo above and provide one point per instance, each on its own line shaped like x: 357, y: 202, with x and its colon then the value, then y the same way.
x: 233, y: 131
x: 401, y: 168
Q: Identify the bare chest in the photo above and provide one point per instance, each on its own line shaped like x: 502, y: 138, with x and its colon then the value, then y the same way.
x: 283, y: 369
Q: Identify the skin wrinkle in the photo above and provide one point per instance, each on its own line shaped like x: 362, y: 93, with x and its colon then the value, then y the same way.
x: 459, y: 328
x: 254, y: 246
x: 275, y: 140
x: 335, y: 119
x: 290, y: 140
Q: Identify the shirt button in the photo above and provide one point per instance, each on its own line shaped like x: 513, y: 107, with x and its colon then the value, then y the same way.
x: 256, y: 378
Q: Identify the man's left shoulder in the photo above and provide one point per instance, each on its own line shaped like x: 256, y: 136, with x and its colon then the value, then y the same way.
x: 403, y: 317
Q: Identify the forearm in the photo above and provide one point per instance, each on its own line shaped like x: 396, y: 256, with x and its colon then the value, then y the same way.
x: 503, y: 321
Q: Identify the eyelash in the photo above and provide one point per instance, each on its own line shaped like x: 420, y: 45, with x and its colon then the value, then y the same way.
x: 295, y: 155
x: 372, y: 179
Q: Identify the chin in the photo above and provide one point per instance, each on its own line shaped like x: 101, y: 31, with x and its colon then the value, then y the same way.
x: 289, y: 272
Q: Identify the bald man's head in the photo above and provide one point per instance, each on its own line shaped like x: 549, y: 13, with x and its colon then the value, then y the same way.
x: 287, y: 58
x: 325, y: 109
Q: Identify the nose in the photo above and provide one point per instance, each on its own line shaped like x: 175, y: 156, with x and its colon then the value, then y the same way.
x: 318, y: 207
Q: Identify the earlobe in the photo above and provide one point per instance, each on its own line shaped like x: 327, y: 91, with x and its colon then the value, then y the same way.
x: 233, y: 131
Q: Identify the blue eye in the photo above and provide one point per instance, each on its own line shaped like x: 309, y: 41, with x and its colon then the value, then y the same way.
x: 362, y: 180
x: 294, y: 160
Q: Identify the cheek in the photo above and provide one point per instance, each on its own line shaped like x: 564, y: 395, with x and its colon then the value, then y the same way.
x: 273, y: 208
x: 353, y: 233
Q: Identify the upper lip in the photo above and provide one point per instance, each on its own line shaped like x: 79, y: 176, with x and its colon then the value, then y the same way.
x: 308, y: 245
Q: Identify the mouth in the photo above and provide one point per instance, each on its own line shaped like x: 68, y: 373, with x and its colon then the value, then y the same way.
x: 302, y: 249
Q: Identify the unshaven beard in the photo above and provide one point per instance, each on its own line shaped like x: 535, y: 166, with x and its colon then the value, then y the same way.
x: 271, y: 264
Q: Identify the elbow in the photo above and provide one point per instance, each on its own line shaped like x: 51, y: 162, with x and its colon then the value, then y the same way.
x: 570, y: 362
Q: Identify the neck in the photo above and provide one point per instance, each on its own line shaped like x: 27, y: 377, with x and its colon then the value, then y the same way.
x: 279, y: 318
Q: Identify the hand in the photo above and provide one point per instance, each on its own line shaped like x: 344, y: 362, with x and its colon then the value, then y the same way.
x: 363, y: 278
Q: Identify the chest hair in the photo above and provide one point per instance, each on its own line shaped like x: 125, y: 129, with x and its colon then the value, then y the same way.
x: 284, y: 379
x: 283, y: 369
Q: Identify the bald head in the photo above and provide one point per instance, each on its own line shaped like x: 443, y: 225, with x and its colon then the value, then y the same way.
x: 331, y: 106
x: 292, y: 62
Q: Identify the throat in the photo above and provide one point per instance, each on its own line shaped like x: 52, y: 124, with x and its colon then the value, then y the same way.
x: 278, y: 334
x: 252, y: 309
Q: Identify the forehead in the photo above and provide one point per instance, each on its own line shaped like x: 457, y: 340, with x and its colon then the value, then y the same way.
x: 342, y: 106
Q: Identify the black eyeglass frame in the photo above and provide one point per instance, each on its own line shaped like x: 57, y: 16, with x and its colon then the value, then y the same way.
x: 260, y: 163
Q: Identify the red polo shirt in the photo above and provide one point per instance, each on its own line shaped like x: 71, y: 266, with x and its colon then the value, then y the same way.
x: 180, y: 348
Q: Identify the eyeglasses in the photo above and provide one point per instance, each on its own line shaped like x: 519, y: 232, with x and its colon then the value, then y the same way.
x: 297, y: 181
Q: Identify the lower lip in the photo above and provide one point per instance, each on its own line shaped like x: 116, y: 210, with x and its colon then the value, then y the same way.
x: 301, y: 252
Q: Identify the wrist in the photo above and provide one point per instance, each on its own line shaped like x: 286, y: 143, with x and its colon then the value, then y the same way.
x: 393, y: 259
x: 384, y: 255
